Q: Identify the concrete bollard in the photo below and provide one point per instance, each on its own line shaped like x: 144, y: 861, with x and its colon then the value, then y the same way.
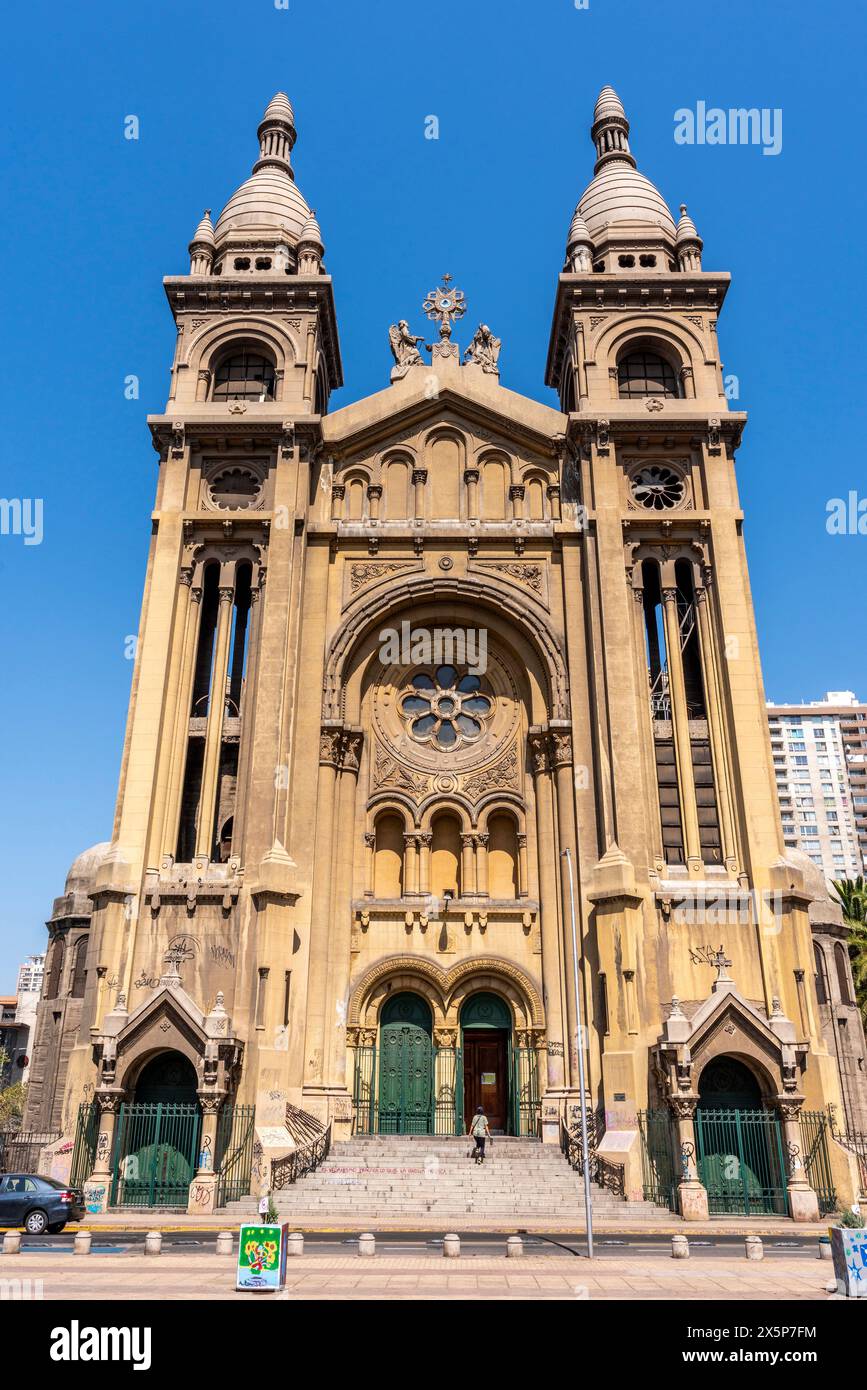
x: 679, y: 1248
x: 367, y: 1244
x: 12, y: 1243
x: 225, y: 1242
x: 514, y: 1247
x: 295, y: 1243
x: 753, y: 1248
x: 825, y: 1251
x: 81, y: 1244
x: 153, y: 1243
x: 451, y: 1246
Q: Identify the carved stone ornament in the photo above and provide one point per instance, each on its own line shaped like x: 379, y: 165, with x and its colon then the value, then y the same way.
x: 484, y: 350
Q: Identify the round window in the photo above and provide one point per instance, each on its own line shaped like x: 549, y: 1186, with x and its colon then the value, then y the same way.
x: 656, y: 488
x: 235, y: 488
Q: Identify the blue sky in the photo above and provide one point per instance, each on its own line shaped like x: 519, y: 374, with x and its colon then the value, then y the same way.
x: 93, y: 221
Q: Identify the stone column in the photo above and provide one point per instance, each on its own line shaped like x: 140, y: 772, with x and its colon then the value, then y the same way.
x: 419, y: 478
x: 555, y: 1080
x: 203, y: 1188
x: 691, y: 1194
x: 803, y: 1201
x: 97, y: 1189
x: 468, y: 865
x: 317, y: 973
x: 178, y: 724
x: 424, y: 844
x: 523, y: 872
x: 471, y: 478
x: 561, y: 757
x: 554, y: 501
x: 716, y: 724
x: 481, y: 842
x: 214, y: 732
x: 410, y: 863
x: 680, y: 730
x: 338, y: 493
x: 516, y: 496
x: 687, y: 381
x: 374, y: 496
x: 370, y: 850
x: 340, y: 959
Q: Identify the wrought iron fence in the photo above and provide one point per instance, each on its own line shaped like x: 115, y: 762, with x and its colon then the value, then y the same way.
x: 233, y: 1160
x: 364, y: 1091
x: 814, y: 1126
x: 659, y: 1169
x: 313, y: 1141
x: 20, y: 1148
x: 86, y: 1138
x: 605, y: 1173
x: 855, y: 1141
x: 526, y: 1102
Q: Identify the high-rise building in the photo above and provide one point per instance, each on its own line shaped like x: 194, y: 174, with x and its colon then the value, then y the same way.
x: 408, y: 675
x: 820, y: 765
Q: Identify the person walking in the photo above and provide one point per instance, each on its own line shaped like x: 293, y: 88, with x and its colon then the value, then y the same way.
x: 480, y: 1132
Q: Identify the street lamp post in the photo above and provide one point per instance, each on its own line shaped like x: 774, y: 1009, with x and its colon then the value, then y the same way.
x: 588, y: 1206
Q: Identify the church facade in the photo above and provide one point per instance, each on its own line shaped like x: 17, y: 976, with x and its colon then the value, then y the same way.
x: 447, y: 752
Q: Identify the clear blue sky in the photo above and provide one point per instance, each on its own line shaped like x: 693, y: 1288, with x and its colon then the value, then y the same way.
x: 93, y: 222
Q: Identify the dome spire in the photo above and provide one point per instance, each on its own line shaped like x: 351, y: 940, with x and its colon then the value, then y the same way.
x: 610, y: 130
x: 277, y: 135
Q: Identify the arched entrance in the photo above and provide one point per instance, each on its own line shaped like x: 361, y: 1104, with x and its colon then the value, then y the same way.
x: 157, y: 1136
x: 739, y: 1142
x: 486, y: 1034
x: 405, y: 1066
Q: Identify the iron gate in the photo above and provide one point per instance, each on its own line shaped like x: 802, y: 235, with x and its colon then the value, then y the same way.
x: 20, y: 1149
x: 817, y: 1163
x: 233, y: 1160
x: 156, y: 1150
x: 86, y: 1138
x: 660, y: 1172
x: 741, y: 1161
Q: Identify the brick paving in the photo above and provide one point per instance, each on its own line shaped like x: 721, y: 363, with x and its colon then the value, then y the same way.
x: 394, y: 1277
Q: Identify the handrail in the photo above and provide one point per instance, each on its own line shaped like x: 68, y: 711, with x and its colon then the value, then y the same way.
x: 603, y: 1172
x: 313, y: 1144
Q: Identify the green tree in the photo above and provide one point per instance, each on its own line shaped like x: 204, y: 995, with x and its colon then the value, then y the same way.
x: 852, y: 893
x: 12, y: 1105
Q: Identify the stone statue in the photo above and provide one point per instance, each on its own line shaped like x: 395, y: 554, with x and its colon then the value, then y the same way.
x: 404, y: 346
x: 484, y: 349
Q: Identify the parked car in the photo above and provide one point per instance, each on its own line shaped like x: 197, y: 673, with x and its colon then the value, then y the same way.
x: 38, y: 1204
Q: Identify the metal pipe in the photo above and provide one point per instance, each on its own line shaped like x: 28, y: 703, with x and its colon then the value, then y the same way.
x: 579, y: 1042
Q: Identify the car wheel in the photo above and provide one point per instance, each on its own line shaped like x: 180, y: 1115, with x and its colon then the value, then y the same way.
x: 56, y: 1227
x: 35, y: 1222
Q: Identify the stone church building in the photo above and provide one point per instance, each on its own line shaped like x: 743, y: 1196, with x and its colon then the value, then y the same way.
x: 414, y: 677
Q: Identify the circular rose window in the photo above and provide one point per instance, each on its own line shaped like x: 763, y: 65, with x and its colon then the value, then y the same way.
x: 657, y: 488
x: 444, y: 708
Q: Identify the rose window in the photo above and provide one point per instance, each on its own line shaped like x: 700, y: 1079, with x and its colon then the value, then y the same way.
x: 658, y: 489
x: 445, y: 708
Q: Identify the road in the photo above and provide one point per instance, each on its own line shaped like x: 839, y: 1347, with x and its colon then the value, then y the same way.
x: 420, y: 1243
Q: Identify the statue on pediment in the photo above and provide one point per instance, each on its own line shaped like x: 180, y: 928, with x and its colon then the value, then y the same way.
x: 484, y: 350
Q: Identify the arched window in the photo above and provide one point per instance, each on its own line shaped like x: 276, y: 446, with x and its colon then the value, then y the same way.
x: 494, y: 491
x: 502, y: 857
x: 445, y: 859
x: 55, y: 969
x: 536, y: 499
x: 79, y: 969
x: 388, y: 859
x: 822, y: 993
x: 644, y: 373
x: 841, y: 961
x: 245, y: 375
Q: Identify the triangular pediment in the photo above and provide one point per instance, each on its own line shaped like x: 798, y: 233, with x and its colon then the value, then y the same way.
x: 425, y: 398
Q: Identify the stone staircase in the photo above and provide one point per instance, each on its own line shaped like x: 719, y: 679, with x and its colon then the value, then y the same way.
x: 372, y: 1181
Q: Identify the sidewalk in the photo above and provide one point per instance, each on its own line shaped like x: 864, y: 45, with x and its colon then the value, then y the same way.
x: 348, y: 1277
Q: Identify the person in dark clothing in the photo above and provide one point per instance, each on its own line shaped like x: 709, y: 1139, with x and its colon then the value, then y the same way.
x: 480, y: 1132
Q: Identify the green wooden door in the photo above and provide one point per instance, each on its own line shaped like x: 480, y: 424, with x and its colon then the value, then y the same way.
x: 405, y: 1066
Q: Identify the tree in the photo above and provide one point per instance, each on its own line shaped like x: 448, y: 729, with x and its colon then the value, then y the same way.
x: 852, y: 893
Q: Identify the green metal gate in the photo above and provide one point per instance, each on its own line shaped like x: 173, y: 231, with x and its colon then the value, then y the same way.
x: 86, y: 1137
x: 814, y: 1156
x: 233, y: 1160
x: 659, y: 1167
x: 364, y: 1091
x: 741, y: 1161
x: 524, y: 1087
x: 156, y: 1150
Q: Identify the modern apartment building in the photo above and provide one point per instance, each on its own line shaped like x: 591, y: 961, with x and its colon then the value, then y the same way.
x: 820, y: 762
